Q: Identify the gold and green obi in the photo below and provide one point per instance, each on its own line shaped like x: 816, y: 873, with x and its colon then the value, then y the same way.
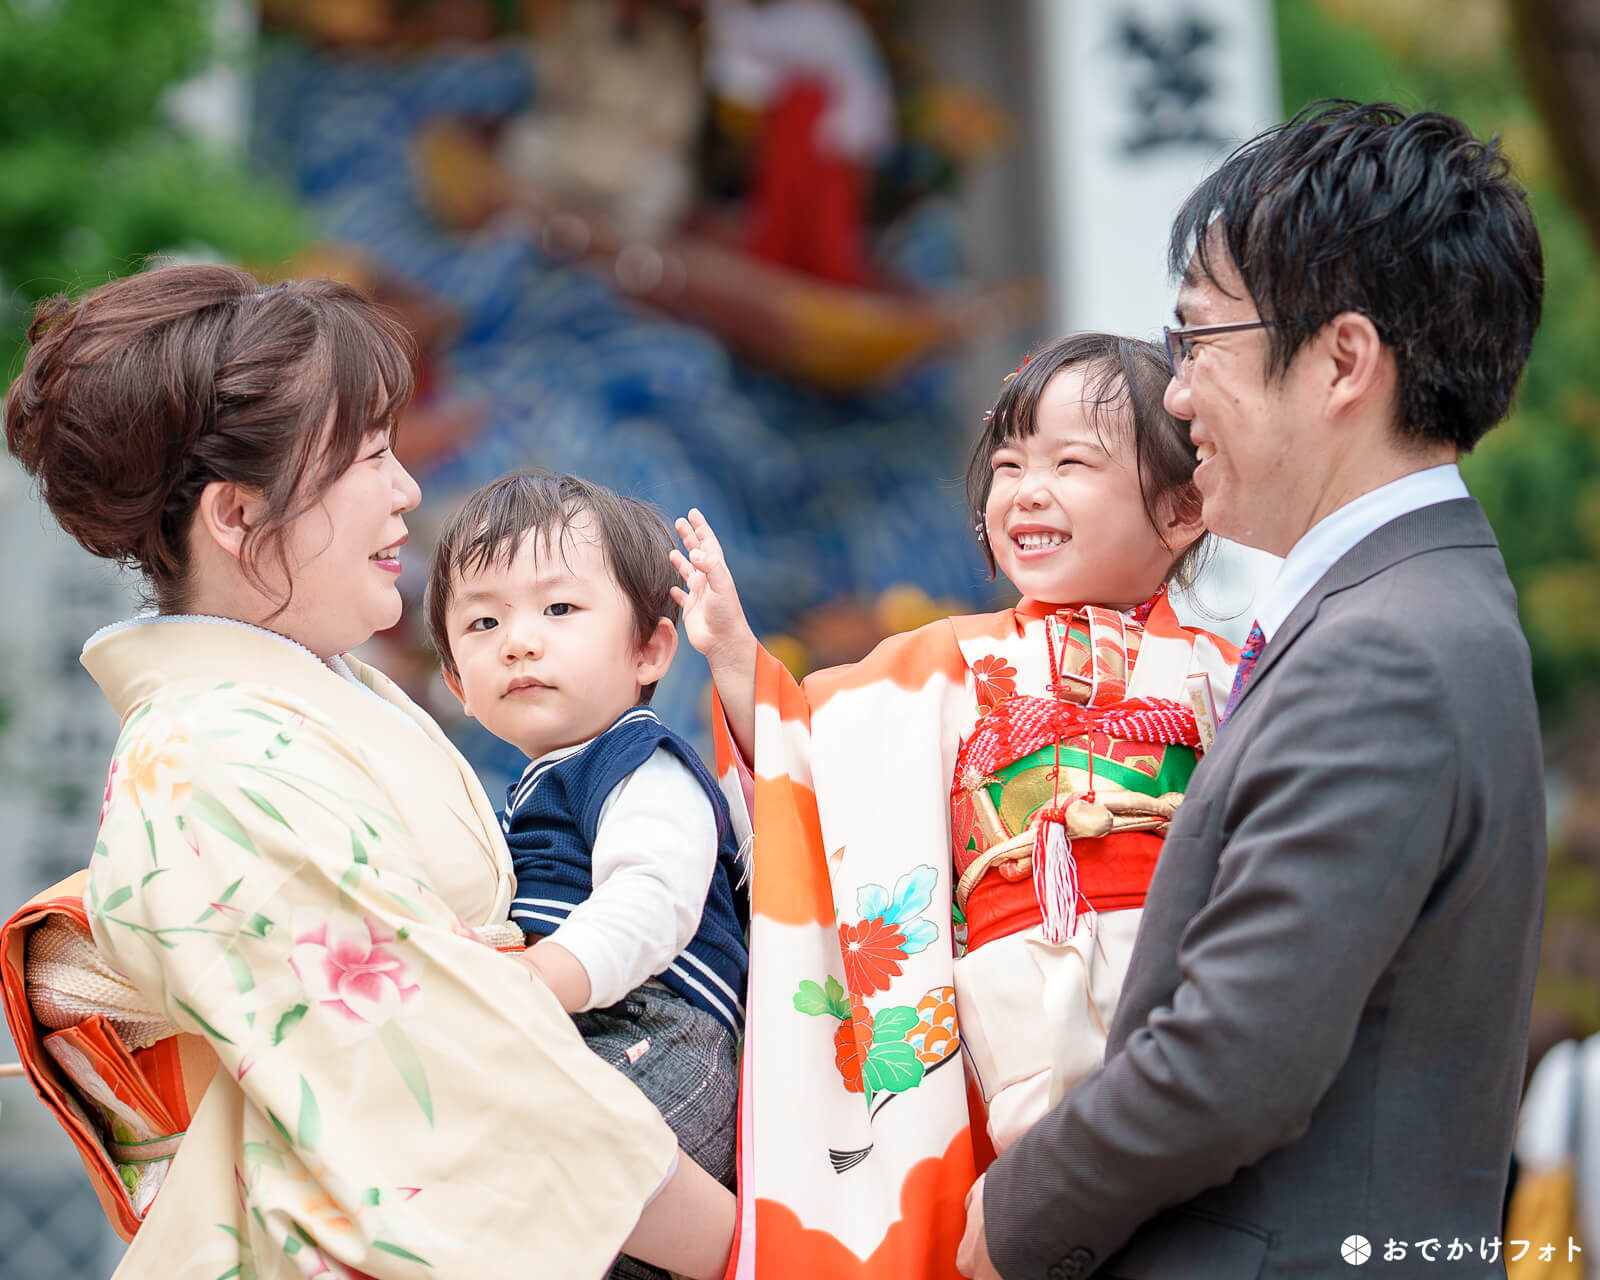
x: 1136, y: 786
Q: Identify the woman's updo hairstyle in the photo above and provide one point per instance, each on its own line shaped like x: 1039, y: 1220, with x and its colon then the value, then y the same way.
x: 138, y: 394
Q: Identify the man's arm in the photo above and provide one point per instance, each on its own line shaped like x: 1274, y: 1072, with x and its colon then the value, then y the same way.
x: 1333, y: 832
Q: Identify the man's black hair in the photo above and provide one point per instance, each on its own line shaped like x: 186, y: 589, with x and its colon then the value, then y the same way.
x: 1407, y: 219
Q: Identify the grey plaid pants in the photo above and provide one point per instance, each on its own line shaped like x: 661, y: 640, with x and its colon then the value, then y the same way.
x: 687, y: 1063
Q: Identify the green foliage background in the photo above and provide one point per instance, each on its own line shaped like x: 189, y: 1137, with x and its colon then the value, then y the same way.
x: 1538, y: 474
x: 94, y: 178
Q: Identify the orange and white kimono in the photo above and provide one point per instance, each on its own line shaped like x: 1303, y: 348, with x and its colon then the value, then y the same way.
x: 860, y: 1134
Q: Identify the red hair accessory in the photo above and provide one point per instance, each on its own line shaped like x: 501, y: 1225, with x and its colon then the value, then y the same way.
x: 1019, y: 368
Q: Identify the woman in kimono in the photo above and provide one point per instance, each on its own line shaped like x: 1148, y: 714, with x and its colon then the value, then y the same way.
x: 295, y: 871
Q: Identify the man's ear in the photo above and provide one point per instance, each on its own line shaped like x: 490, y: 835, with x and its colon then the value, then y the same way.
x: 655, y: 654
x: 1361, y: 364
x: 227, y: 513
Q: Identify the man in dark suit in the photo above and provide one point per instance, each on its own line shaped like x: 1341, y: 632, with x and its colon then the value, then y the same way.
x: 1318, y: 1049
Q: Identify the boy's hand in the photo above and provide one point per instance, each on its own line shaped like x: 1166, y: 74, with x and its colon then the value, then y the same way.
x: 713, y: 619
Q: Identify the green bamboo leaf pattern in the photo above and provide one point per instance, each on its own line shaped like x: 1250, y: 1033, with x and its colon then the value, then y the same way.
x: 287, y: 1023
x: 409, y: 1066
x: 243, y: 979
x: 257, y: 715
x: 100, y: 850
x: 261, y: 1153
x: 258, y: 926
x: 358, y: 851
x: 204, y: 1025
x: 309, y: 1126
x: 150, y: 835
x: 117, y: 898
x: 149, y: 876
x: 225, y: 897
x: 279, y: 1126
x: 206, y: 808
x: 266, y: 806
x: 401, y: 1253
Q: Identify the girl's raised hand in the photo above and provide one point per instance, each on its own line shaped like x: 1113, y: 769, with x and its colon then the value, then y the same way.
x: 713, y: 619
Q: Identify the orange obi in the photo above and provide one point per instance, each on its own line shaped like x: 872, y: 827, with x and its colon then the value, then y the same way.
x: 121, y: 1080
x: 145, y: 1095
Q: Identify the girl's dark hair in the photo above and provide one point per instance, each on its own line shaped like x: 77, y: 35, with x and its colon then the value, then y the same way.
x: 1123, y: 378
x: 490, y: 525
x: 138, y: 394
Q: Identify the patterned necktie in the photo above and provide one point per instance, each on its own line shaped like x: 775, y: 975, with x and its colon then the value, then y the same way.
x: 1253, y: 645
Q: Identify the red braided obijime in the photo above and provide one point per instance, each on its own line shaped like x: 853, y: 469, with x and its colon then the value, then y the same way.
x: 1022, y: 725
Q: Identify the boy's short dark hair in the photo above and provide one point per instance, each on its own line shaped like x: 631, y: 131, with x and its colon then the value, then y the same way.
x: 1409, y: 220
x: 490, y: 525
x: 1121, y: 374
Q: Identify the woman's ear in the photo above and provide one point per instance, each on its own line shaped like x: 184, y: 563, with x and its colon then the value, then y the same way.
x: 227, y: 513
x: 655, y: 654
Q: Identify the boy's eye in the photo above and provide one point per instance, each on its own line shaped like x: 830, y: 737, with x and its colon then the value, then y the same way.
x: 558, y: 610
x: 482, y: 624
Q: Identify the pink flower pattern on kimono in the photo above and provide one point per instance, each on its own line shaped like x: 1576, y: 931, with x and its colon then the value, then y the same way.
x: 345, y: 965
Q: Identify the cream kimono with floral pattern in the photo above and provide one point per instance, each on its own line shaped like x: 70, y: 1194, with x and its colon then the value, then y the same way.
x: 290, y: 863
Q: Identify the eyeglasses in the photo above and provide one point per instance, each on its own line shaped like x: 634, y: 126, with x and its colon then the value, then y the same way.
x: 1180, y: 342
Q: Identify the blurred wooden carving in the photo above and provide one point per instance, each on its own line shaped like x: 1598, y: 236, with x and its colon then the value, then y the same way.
x: 840, y: 338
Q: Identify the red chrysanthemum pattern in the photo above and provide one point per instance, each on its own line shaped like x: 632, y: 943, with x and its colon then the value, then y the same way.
x: 851, y: 1044
x: 995, y: 679
x: 872, y: 954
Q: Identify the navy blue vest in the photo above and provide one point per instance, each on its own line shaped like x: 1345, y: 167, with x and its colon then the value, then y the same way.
x: 550, y: 819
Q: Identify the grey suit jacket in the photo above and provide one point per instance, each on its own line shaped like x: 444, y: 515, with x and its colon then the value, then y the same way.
x: 1323, y: 1028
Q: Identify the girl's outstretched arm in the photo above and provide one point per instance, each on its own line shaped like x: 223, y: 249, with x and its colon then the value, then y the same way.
x: 714, y: 622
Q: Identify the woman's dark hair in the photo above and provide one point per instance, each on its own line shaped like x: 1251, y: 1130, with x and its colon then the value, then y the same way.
x: 1409, y: 220
x: 1123, y: 379
x: 489, y: 528
x: 138, y: 394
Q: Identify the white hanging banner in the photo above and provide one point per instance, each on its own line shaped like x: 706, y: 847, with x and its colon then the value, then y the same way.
x: 1141, y: 99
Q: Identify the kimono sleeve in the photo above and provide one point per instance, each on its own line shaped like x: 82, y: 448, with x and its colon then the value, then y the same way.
x: 412, y: 1102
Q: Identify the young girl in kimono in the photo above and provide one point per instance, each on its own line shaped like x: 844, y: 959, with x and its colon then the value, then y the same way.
x: 1006, y: 776
x: 308, y: 1055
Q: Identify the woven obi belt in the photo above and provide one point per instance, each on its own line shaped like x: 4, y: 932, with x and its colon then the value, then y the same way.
x: 1109, y: 770
x: 119, y: 1077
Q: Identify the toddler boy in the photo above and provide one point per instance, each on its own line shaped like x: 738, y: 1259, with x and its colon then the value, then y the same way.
x: 549, y: 601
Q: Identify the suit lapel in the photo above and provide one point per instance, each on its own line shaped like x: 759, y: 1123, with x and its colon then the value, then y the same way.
x: 1457, y: 523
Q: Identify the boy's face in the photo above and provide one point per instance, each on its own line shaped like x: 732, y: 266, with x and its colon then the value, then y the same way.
x: 545, y: 645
